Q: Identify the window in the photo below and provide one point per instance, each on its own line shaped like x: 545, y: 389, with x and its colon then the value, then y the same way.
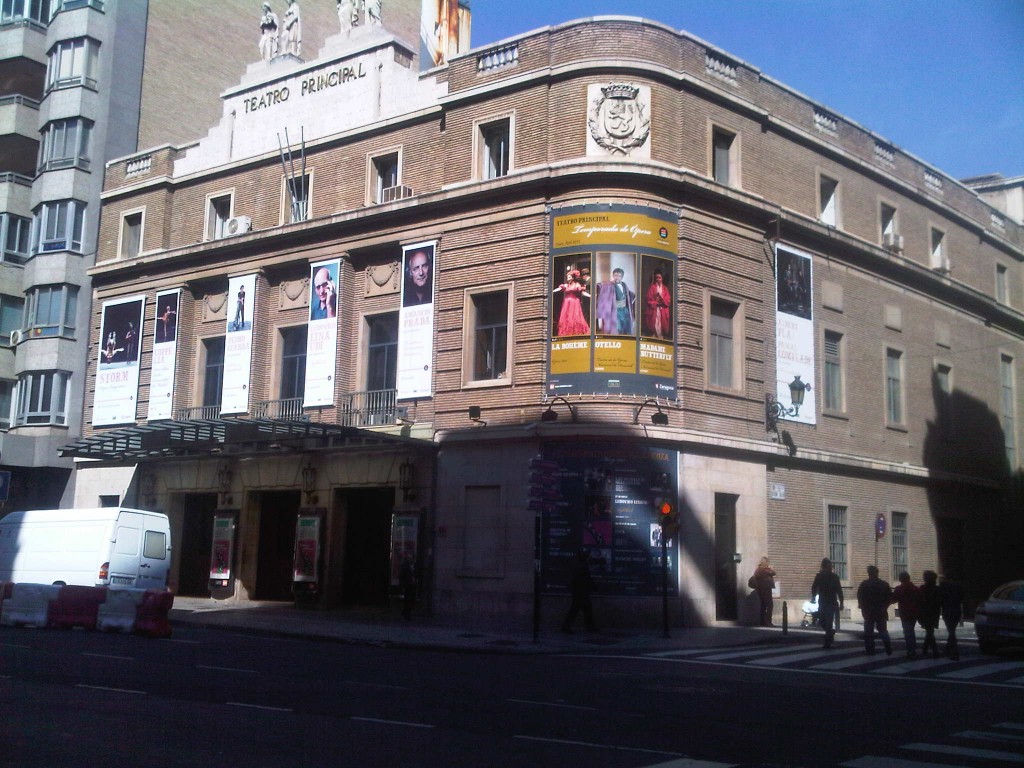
x: 723, y: 347
x: 833, y: 374
x: 828, y: 201
x: 15, y: 237
x: 154, y: 545
x: 12, y: 312
x: 58, y: 226
x: 131, y: 235
x: 296, y: 197
x: 496, y: 149
x: 723, y: 157
x: 944, y: 399
x: 900, y: 545
x: 939, y: 259
x: 213, y: 371
x: 837, y: 542
x: 887, y: 220
x: 51, y: 310
x: 20, y: 10
x: 293, y: 362
x: 894, y: 386
x: 382, y: 357
x: 42, y: 398
x: 65, y: 144
x: 73, y: 63
x: 7, y: 388
x: 385, y: 176
x: 110, y: 500
x: 486, y: 345
x: 1008, y: 399
x: 218, y: 212
x: 1002, y: 289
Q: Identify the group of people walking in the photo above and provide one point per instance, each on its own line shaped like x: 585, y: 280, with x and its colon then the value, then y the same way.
x: 923, y: 605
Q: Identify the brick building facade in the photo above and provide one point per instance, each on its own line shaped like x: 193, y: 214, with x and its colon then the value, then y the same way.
x: 796, y: 248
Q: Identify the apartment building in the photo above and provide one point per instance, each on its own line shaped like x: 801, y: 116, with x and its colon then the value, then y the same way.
x: 482, y: 314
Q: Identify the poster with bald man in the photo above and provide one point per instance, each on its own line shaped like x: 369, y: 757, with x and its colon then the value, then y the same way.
x: 416, y: 321
x: 322, y: 336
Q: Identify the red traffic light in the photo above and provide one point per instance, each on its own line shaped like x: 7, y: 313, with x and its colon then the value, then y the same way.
x: 664, y: 509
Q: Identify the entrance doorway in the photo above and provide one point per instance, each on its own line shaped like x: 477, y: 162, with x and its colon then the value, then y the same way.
x: 196, y: 545
x: 725, y: 547
x: 367, y: 546
x: 278, y: 512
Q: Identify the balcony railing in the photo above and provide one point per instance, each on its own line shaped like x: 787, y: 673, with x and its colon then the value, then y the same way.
x: 203, y: 412
x: 367, y: 409
x: 289, y: 409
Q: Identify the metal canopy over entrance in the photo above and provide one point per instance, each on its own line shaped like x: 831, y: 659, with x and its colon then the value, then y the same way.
x: 205, y: 437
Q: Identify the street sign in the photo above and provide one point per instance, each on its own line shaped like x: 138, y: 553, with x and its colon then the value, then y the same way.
x: 880, y: 526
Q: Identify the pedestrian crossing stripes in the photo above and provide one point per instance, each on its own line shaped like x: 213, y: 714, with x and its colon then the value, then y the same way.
x: 850, y: 658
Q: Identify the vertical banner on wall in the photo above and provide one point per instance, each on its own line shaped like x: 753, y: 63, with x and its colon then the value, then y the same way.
x: 613, y: 321
x: 794, y: 329
x: 165, y: 350
x: 238, y: 344
x: 416, y: 321
x: 117, y: 374
x: 322, y: 338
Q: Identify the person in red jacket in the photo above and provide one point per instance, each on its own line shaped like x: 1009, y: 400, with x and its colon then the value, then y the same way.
x: 908, y: 601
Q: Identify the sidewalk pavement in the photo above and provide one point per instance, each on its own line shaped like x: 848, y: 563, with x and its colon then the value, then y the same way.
x: 386, y: 628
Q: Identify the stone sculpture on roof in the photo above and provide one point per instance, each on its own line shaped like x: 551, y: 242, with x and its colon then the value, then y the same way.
x: 268, y: 33
x: 291, y: 35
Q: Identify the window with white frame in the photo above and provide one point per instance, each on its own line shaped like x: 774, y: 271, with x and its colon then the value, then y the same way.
x: 12, y: 312
x: 486, y: 349
x: 495, y: 148
x: 1008, y: 402
x: 893, y: 386
x: 723, y: 157
x: 724, y: 348
x: 828, y: 201
x: 900, y: 545
x: 218, y: 213
x: 15, y: 237
x: 58, y: 226
x: 1002, y: 285
x: 938, y: 258
x: 887, y: 225
x: 42, y: 398
x: 385, y: 172
x: 72, y: 63
x: 50, y: 310
x: 131, y: 234
x: 296, y: 197
x: 7, y: 388
x: 838, y: 551
x: 13, y: 11
x: 65, y: 144
x: 832, y: 377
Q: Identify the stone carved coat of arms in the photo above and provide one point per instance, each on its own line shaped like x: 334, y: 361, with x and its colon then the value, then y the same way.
x: 619, y: 120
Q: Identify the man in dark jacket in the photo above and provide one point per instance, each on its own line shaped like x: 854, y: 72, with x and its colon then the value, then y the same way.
x: 875, y: 596
x: 827, y: 591
x: 951, y: 599
x: 581, y: 585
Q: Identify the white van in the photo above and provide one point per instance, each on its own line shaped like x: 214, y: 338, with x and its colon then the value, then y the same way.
x: 110, y: 546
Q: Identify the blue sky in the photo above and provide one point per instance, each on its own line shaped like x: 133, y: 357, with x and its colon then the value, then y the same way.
x: 941, y: 79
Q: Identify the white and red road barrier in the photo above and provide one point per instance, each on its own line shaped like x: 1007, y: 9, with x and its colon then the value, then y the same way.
x: 140, y: 611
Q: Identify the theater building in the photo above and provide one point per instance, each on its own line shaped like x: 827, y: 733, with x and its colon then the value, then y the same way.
x: 486, y: 311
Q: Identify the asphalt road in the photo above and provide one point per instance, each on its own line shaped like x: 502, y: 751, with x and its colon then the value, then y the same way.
x: 210, y: 697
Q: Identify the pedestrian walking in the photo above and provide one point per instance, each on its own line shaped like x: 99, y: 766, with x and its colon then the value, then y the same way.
x: 908, y: 602
x: 875, y: 596
x: 763, y: 582
x: 931, y: 609
x: 827, y: 592
x: 951, y: 600
x: 581, y: 585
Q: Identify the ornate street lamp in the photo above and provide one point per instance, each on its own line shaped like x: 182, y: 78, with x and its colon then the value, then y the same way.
x: 774, y: 410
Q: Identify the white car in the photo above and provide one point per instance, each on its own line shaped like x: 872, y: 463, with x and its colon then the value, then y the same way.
x: 999, y: 621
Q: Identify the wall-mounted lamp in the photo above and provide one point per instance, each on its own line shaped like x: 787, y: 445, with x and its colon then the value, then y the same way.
x: 407, y: 479
x: 309, y: 483
x: 659, y: 419
x: 552, y: 415
x: 224, y: 483
x: 474, y: 415
x: 774, y: 410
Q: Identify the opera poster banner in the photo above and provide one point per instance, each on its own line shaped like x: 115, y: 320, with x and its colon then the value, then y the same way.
x: 613, y: 301
x: 322, y: 336
x: 794, y: 329
x: 416, y: 321
x: 238, y: 344
x: 165, y: 351
x: 606, y: 507
x: 117, y: 372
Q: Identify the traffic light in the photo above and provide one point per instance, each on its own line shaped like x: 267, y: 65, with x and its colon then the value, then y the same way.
x: 668, y: 517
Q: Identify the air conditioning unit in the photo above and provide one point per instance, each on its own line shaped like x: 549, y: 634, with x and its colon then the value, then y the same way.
x: 237, y: 225
x: 398, y: 192
x: 15, y: 338
x: 893, y: 242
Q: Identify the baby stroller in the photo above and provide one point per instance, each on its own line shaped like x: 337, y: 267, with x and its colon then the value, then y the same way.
x: 810, y: 610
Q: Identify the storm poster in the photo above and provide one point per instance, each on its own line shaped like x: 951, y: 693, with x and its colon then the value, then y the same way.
x: 117, y: 373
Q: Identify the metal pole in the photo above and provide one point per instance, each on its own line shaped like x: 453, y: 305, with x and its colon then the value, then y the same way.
x: 664, y: 581
x: 785, y: 617
x: 536, y: 575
